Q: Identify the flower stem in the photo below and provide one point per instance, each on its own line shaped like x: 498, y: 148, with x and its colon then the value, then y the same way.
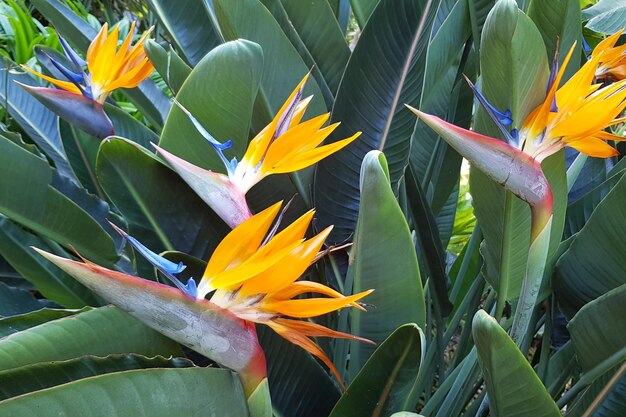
x: 537, y: 258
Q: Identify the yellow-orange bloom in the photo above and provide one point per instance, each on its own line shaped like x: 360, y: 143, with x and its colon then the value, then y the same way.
x: 286, y: 145
x: 613, y: 60
x: 253, y: 274
x: 109, y: 67
x: 577, y: 113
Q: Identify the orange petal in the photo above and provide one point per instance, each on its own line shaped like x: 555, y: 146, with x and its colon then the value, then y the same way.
x: 96, y: 44
x: 243, y: 241
x: 288, y: 269
x: 593, y: 147
x: 316, y: 330
x: 312, y: 307
x: 302, y: 287
x: 308, y: 158
x: 307, y: 344
x: 65, y: 85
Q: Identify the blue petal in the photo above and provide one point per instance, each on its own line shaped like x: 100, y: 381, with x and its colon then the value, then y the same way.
x: 499, y: 118
x: 191, y: 288
x: 76, y: 78
x: 515, y: 136
x: 554, y: 70
x: 70, y: 53
x: 159, y: 262
x: 586, y: 46
x: 167, y: 267
x: 217, y: 145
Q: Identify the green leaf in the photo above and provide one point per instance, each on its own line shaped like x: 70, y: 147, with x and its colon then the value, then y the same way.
x: 39, y: 123
x: 81, y: 149
x: 149, y: 98
x: 32, y: 202
x: 168, y: 64
x: 161, y: 210
x: 129, y: 127
x: 190, y: 26
x: 315, y: 33
x: 151, y: 392
x: 559, y: 24
x: 430, y: 243
x: 220, y: 92
x: 17, y: 323
x: 385, y: 380
x: 283, y: 67
x: 383, y: 258
x: 43, y: 375
x: 598, y: 330
x: 54, y: 284
x: 16, y: 301
x: 606, y: 16
x: 291, y: 370
x: 614, y: 404
x: 385, y: 71
x: 514, y: 75
x: 514, y: 388
x: 260, y: 402
x: 362, y: 10
x: 98, y: 332
x: 594, y: 263
x: 434, y: 163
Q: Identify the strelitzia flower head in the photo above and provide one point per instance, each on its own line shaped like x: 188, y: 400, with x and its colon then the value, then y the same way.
x: 613, y: 61
x: 575, y: 115
x: 253, y: 274
x: 251, y: 277
x: 84, y: 90
x: 285, y: 145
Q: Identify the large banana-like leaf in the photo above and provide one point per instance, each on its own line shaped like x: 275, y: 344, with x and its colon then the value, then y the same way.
x: 189, y: 25
x: 314, y: 31
x: 168, y: 64
x: 598, y: 330
x: 17, y: 301
x: 149, y: 98
x: 298, y: 383
x: 362, y: 10
x: 82, y: 148
x: 594, y: 263
x: 151, y: 392
x: 19, y: 322
x: 514, y: 388
x: 607, y: 16
x: 220, y: 93
x: 383, y: 257
x: 98, y: 332
x: 435, y: 165
x: 28, y: 198
x: 559, y: 24
x: 283, y: 68
x: 161, y: 210
x: 53, y: 283
x: 385, y: 71
x: 383, y: 385
x: 44, y: 375
x: 37, y: 121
